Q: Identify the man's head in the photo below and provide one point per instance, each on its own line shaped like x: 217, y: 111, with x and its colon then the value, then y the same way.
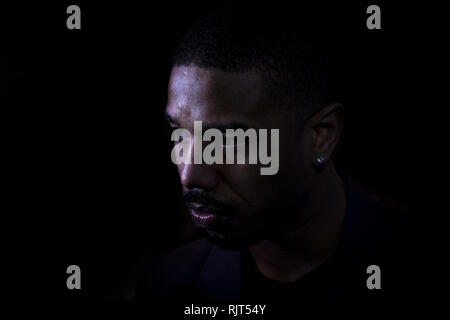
x: 232, y: 71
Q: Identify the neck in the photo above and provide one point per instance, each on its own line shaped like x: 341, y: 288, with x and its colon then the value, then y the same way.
x: 311, y: 237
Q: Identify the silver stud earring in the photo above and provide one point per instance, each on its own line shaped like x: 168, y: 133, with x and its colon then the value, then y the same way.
x: 320, y: 160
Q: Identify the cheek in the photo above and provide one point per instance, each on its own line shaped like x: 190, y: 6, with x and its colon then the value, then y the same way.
x: 247, y: 182
x: 295, y: 158
x: 240, y: 177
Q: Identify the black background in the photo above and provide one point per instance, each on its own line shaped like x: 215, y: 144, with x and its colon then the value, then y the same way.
x: 91, y: 181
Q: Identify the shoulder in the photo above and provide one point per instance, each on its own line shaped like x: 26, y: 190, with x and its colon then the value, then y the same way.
x: 372, y: 227
x: 377, y: 234
x: 178, y: 268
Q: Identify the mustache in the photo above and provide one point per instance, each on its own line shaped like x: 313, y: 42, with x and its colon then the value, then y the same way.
x: 203, y: 201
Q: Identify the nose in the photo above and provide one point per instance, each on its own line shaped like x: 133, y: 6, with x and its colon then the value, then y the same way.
x: 201, y: 176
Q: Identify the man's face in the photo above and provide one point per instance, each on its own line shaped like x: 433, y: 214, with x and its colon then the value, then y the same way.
x: 234, y: 203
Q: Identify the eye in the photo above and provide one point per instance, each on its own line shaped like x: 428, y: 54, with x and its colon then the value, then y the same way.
x: 181, y: 135
x: 180, y: 138
x: 230, y: 141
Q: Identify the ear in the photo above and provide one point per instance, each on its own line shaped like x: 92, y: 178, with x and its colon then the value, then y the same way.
x: 326, y: 127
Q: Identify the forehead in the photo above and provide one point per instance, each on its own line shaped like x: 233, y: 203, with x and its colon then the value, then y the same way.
x: 212, y: 95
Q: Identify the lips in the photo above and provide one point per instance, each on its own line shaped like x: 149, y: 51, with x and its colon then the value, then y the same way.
x: 203, y: 219
x: 204, y: 216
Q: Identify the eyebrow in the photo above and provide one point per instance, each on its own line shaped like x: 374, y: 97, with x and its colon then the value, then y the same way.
x: 221, y: 127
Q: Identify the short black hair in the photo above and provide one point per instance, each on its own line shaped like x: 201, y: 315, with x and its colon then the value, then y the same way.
x: 299, y: 71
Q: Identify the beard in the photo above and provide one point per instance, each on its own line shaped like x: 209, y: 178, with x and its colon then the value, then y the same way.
x: 268, y: 224
x: 238, y: 239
